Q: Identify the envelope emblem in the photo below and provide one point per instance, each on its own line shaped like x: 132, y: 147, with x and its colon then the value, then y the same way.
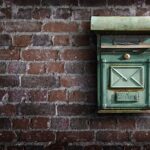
x: 127, y: 77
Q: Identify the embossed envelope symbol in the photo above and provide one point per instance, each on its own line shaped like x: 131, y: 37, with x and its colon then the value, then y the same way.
x: 127, y: 76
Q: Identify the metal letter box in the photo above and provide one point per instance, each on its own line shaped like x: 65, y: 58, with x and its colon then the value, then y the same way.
x: 123, y: 69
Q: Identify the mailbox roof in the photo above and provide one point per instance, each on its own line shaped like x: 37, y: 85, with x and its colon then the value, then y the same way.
x: 120, y: 23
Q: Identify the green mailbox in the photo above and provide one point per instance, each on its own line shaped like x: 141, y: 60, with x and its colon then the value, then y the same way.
x: 123, y: 69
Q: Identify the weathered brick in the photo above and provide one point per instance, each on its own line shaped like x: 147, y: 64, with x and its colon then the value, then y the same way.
x: 132, y: 147
x: 75, y: 67
x: 80, y: 81
x: 27, y: 2
x: 103, y: 123
x: 120, y: 2
x: 39, y: 55
x: 142, y: 12
x: 8, y: 110
x: 62, y: 13
x: 38, y: 81
x: 5, y: 40
x: 60, y: 3
x: 147, y: 2
x: 9, y: 81
x: 5, y: 13
x: 9, y: 54
x: 83, y: 96
x: 126, y: 123
x: 143, y: 123
x: 113, y: 136
x: 75, y: 109
x: 60, y: 123
x: 60, y: 27
x: 85, y: 26
x: 23, y: 26
x: 75, y: 147
x: 2, y: 67
x: 7, y: 136
x: 39, y: 123
x: 75, y: 136
x: 22, y: 40
x: 23, y: 13
x: 79, y: 123
x: 41, y: 40
x: 91, y: 68
x: 103, y: 12
x: 93, y: 147
x: 15, y: 147
x: 81, y: 14
x: 16, y: 67
x: 36, y: 136
x: 55, y: 67
x: 5, y: 123
x: 61, y: 40
x: 37, y: 95
x: 20, y: 123
x: 92, y: 3
x: 114, y: 147
x: 41, y: 13
x: 36, y: 68
x: 36, y: 109
x: 57, y: 95
x: 78, y: 55
x: 141, y: 136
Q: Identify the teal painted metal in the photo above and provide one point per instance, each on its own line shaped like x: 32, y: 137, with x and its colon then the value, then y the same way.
x: 120, y: 23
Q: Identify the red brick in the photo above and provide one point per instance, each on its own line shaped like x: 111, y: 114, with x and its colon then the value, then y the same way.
x: 23, y: 26
x: 91, y: 68
x: 75, y: 109
x: 7, y: 136
x: 61, y: 40
x: 55, y: 67
x: 85, y: 26
x: 93, y: 147
x: 60, y: 123
x: 37, y: 95
x: 81, y: 40
x: 27, y: 2
x: 39, y: 123
x: 126, y: 123
x: 23, y: 13
x: 147, y: 2
x: 41, y: 13
x: 79, y: 123
x: 60, y: 27
x: 74, y: 67
x: 80, y: 81
x: 81, y: 14
x: 36, y: 109
x: 142, y: 12
x: 5, y: 123
x: 5, y: 40
x: 39, y: 55
x: 120, y: 2
x: 22, y: 40
x: 78, y: 55
x: 143, y: 123
x: 8, y: 110
x: 5, y: 13
x: 9, y: 54
x: 62, y: 13
x: 16, y: 147
x: 132, y: 147
x: 36, y: 68
x: 103, y: 123
x: 16, y: 67
x: 20, y: 123
x: 36, y: 136
x: 113, y: 136
x: 38, y: 81
x: 141, y: 136
x: 84, y: 96
x: 9, y: 81
x: 75, y: 136
x: 92, y: 3
x: 2, y: 67
x: 104, y: 12
x: 57, y: 95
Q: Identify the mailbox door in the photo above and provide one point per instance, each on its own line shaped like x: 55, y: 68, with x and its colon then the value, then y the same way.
x: 123, y: 84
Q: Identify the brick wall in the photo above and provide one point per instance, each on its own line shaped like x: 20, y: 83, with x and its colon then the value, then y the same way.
x: 48, y: 78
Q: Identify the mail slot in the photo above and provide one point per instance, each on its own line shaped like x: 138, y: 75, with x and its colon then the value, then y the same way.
x: 123, y: 63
